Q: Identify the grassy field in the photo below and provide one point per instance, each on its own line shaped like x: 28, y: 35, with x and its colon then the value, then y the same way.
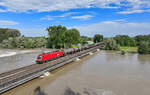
x: 129, y: 49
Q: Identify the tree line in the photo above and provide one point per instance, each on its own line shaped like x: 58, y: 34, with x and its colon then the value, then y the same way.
x: 11, y: 38
x: 24, y: 42
x: 58, y: 37
x: 140, y: 41
x: 61, y: 37
x: 5, y: 33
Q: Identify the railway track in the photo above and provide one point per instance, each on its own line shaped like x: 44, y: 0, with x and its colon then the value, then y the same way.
x: 8, y: 79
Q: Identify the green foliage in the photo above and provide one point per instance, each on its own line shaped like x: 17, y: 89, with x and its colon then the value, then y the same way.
x: 56, y: 36
x: 72, y: 36
x: 123, y: 52
x: 98, y: 38
x: 129, y: 49
x: 144, y: 48
x: 61, y: 37
x: 24, y: 42
x: 125, y: 40
x: 110, y: 44
x: 84, y: 39
x: 6, y: 33
x: 142, y: 38
x: 130, y: 43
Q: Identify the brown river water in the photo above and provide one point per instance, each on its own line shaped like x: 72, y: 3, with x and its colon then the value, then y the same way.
x: 103, y: 73
x: 17, y: 61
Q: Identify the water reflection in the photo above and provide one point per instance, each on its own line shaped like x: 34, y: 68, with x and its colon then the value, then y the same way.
x: 144, y: 59
x: 87, y: 91
x: 69, y: 91
x: 38, y: 91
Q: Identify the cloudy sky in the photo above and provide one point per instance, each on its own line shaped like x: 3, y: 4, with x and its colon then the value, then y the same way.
x: 107, y: 17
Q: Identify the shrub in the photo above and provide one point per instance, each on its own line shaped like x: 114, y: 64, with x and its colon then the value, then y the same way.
x: 144, y: 48
x: 24, y: 42
x: 123, y: 52
x: 111, y: 45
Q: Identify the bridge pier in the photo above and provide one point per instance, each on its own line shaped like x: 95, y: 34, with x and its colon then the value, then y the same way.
x: 45, y: 74
x: 90, y: 53
x: 77, y: 59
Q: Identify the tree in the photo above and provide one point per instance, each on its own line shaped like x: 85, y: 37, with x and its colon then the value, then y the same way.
x: 13, y: 33
x: 144, y: 48
x: 5, y: 33
x: 125, y: 40
x: 2, y: 34
x: 61, y: 37
x: 56, y: 36
x: 84, y: 39
x: 98, y: 38
x: 72, y: 36
x: 110, y: 44
x: 141, y: 38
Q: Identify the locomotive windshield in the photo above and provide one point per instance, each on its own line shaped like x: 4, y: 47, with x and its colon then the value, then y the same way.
x: 39, y: 57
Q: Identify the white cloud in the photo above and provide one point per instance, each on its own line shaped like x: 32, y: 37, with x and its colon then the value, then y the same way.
x: 133, y: 11
x: 43, y: 5
x: 112, y: 28
x: 47, y: 17
x: 1, y: 10
x: 136, y: 6
x: 83, y: 17
x: 68, y: 14
x: 50, y: 17
x: 6, y: 23
x: 132, y: 6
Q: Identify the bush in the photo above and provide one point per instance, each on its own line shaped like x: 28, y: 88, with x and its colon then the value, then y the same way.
x: 123, y: 52
x: 111, y: 45
x: 24, y: 42
x: 144, y: 48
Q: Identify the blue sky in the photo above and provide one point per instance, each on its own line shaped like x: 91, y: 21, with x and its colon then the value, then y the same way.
x: 106, y: 17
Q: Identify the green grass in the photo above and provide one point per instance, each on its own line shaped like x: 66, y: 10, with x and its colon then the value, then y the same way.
x: 129, y: 49
x: 75, y: 46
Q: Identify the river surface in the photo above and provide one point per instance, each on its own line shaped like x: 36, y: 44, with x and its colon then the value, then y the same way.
x: 103, y: 73
x: 17, y: 61
x: 13, y: 59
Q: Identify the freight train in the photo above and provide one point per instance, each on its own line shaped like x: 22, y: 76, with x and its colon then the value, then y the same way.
x: 49, y: 56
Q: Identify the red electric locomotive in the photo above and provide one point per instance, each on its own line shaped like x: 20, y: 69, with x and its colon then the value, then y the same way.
x: 45, y: 57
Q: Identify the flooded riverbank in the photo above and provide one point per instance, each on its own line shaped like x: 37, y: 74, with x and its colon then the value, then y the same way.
x: 104, y: 73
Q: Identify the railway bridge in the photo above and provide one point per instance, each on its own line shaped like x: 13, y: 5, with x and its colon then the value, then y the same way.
x: 14, y: 78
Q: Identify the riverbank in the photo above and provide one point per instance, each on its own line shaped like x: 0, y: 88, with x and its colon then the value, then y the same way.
x: 129, y: 49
